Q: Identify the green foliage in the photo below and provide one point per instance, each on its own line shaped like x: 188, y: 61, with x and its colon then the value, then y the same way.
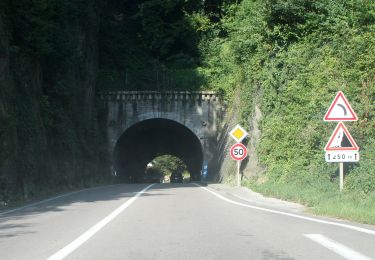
x: 168, y: 164
x: 150, y: 79
x: 323, y: 198
x: 155, y: 43
x: 44, y: 29
x: 361, y: 178
x: 164, y: 28
x: 290, y: 58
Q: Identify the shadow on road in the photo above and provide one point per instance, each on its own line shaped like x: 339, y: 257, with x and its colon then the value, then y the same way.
x: 11, y: 221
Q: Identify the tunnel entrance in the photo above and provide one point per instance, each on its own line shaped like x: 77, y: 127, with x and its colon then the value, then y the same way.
x: 148, y: 139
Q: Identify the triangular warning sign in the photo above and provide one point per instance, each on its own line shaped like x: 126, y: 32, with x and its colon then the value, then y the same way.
x: 340, y: 110
x: 341, y: 140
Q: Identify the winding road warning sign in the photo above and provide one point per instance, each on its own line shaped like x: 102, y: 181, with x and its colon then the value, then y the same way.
x: 341, y: 140
x: 340, y: 109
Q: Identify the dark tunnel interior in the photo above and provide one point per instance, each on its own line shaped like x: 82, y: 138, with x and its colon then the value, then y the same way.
x: 144, y: 141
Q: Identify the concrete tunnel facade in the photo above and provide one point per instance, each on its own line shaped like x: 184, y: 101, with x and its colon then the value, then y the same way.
x: 142, y: 125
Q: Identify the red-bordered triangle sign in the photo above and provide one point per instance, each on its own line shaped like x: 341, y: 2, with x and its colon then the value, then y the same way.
x: 340, y: 110
x: 341, y: 140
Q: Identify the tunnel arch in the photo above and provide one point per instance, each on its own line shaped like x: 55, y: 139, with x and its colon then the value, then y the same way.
x: 147, y: 139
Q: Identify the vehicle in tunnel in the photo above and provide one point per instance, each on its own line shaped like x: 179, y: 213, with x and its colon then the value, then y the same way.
x: 176, y: 177
x: 148, y: 139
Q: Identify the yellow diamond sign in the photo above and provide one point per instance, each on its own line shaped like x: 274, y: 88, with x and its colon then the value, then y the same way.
x: 238, y: 133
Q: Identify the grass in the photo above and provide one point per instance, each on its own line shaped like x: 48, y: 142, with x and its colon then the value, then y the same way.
x: 322, y: 199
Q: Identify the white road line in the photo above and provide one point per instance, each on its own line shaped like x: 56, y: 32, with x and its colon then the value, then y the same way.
x: 51, y: 199
x: 338, y: 248
x: 359, y: 229
x: 62, y: 253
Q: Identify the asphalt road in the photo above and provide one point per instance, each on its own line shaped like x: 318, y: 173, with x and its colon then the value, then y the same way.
x: 174, y: 221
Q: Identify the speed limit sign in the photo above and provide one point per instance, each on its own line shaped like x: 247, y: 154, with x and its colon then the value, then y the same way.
x: 238, y: 152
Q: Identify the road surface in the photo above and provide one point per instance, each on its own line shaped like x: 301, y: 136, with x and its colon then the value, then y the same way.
x: 173, y: 221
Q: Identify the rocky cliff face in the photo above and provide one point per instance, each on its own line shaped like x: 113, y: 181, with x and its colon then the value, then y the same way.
x: 250, y: 166
x: 7, y: 119
x: 49, y: 137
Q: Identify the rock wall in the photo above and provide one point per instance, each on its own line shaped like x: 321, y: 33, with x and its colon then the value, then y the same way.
x: 7, y: 120
x: 250, y: 166
x: 49, y: 134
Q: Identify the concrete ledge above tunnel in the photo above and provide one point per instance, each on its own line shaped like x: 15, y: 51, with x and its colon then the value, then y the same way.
x: 150, y: 138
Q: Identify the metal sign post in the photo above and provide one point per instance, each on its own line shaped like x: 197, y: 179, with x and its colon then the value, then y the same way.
x: 238, y: 174
x: 238, y: 152
x: 341, y: 176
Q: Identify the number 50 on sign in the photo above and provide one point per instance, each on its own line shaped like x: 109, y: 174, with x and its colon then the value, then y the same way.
x: 238, y: 152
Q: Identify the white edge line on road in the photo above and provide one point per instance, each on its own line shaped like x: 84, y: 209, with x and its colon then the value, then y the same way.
x: 336, y: 247
x: 62, y: 253
x: 359, y: 229
x: 51, y: 199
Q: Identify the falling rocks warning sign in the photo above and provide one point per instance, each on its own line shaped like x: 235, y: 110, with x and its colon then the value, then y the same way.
x: 341, y: 140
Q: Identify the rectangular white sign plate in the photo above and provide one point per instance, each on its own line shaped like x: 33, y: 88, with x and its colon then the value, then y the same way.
x: 342, y: 156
